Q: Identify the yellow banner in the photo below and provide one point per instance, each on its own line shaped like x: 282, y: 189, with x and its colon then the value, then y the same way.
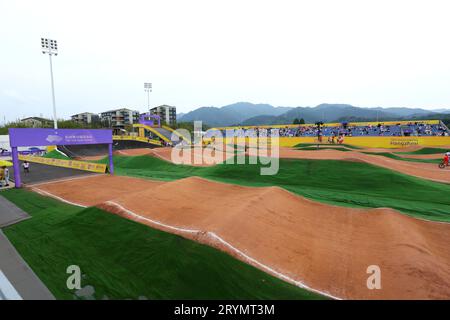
x: 73, y: 164
x: 375, y: 142
x: 368, y: 142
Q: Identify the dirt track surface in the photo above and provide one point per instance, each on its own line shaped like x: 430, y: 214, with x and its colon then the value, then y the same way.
x: 91, y: 158
x: 428, y: 171
x: 200, y: 157
x: 421, y: 156
x: 82, y: 191
x: 206, y: 157
x: 328, y: 248
x: 379, y: 150
x: 405, y: 149
x: 134, y: 152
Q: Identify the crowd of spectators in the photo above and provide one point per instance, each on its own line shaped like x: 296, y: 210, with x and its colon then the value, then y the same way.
x: 344, y: 129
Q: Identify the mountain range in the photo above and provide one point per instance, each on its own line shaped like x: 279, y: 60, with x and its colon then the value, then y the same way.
x: 246, y: 113
x: 232, y: 114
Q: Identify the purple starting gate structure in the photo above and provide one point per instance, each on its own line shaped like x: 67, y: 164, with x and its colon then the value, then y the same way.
x: 146, y: 119
x: 20, y: 137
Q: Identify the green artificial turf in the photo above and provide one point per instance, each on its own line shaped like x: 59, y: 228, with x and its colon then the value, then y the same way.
x: 427, y: 151
x: 335, y: 182
x: 123, y: 259
x: 393, y: 156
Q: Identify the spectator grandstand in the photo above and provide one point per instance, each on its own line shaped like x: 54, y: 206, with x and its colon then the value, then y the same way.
x: 393, y: 129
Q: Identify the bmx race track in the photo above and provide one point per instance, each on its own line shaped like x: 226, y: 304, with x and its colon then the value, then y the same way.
x: 321, y: 247
x: 327, y: 248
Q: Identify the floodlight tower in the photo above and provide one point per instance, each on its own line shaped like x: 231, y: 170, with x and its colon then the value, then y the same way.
x: 148, y: 89
x: 51, y: 47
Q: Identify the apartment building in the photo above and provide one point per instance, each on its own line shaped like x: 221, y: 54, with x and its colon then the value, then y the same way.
x: 119, y: 118
x: 167, y: 113
x: 85, y: 118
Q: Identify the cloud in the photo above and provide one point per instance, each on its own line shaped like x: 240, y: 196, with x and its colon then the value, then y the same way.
x: 201, y: 52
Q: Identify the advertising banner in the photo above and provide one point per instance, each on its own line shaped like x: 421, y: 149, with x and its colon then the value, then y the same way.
x: 20, y: 137
x: 73, y: 164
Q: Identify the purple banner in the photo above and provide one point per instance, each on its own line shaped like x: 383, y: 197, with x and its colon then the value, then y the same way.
x: 146, y: 119
x: 9, y: 153
x: 20, y: 137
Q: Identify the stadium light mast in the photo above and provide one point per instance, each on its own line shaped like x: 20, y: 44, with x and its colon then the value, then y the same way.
x: 51, y: 48
x: 148, y: 89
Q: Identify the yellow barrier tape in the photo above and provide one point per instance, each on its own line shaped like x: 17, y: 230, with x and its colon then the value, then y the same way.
x: 73, y: 164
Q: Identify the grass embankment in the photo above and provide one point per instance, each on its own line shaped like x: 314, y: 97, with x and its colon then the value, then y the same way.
x: 335, y: 182
x: 124, y: 259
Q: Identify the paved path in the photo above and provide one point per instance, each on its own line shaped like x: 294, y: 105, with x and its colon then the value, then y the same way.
x: 10, y: 213
x: 41, y: 172
x: 17, y: 280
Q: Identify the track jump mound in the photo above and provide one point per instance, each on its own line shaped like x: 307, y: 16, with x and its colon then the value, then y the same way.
x: 405, y: 149
x: 422, y: 170
x: 101, y: 188
x: 201, y: 157
x: 134, y: 152
x: 420, y: 156
x: 319, y: 246
x: 198, y: 157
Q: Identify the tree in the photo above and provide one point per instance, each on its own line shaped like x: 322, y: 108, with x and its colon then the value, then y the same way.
x: 69, y: 124
x: 17, y: 124
x: 296, y: 121
x: 302, y: 121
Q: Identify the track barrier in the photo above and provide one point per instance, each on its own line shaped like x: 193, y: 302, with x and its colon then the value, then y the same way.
x: 72, y: 164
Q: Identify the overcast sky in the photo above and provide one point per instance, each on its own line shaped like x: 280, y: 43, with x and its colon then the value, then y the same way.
x: 212, y: 53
